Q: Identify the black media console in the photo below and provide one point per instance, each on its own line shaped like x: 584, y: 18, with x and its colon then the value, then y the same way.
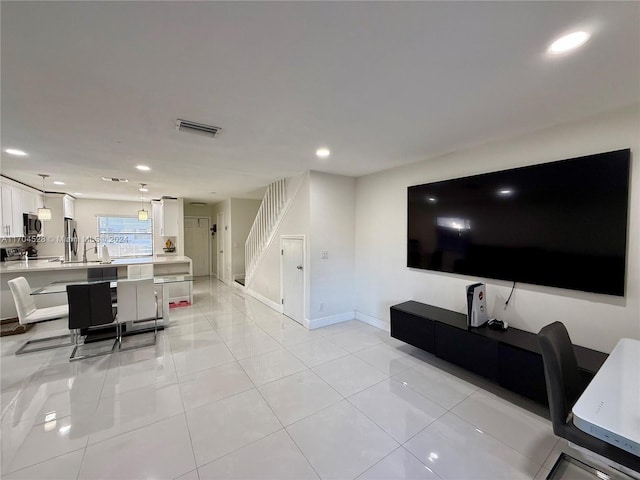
x: 509, y: 358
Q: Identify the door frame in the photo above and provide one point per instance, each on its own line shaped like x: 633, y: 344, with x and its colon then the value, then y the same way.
x: 220, y: 241
x: 208, y: 236
x: 304, y: 277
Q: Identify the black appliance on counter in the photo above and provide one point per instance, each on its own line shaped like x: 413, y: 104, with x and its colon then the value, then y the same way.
x: 10, y: 254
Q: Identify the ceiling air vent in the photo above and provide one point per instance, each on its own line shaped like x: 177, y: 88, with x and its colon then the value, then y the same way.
x: 114, y: 179
x: 197, y: 128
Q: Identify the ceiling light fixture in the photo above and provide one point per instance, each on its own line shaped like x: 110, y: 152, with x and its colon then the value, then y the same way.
x: 142, y: 213
x: 569, y: 42
x: 44, y: 213
x: 323, y: 152
x: 16, y: 152
x: 143, y: 168
x: 114, y: 179
x: 58, y: 182
x: 143, y: 189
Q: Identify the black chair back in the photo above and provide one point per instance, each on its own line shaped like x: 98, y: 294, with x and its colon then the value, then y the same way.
x: 101, y: 305
x: 79, y: 306
x: 89, y: 305
x: 561, y: 373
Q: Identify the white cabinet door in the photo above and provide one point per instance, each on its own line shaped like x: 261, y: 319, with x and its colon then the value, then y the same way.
x: 12, y: 222
x: 169, y: 217
x: 68, y: 204
x: 5, y: 208
x: 17, y: 222
x: 28, y: 202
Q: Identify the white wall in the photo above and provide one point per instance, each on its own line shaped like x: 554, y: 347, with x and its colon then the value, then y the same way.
x: 332, y: 214
x: 86, y: 212
x: 53, y: 229
x: 243, y: 213
x: 382, y: 279
x: 205, y: 211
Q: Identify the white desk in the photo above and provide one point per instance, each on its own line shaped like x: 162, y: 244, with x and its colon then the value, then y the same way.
x: 609, y: 408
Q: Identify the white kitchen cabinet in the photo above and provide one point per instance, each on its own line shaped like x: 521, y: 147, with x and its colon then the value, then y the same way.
x: 17, y: 223
x: 5, y: 210
x: 68, y: 204
x: 11, y: 209
x: 169, y: 220
x: 29, y: 202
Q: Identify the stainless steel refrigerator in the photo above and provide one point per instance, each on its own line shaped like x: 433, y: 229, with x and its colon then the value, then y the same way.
x: 70, y: 240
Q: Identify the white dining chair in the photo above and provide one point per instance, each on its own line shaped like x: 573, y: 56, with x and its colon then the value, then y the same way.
x: 137, y: 302
x: 28, y: 313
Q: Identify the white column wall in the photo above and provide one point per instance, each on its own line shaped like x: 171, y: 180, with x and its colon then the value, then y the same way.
x: 332, y: 213
x: 243, y: 213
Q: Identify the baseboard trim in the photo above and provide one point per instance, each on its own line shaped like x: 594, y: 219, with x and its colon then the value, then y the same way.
x: 330, y: 320
x: 373, y: 321
x: 269, y: 303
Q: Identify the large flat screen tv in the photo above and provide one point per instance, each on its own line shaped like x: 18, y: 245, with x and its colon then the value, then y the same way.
x: 560, y: 224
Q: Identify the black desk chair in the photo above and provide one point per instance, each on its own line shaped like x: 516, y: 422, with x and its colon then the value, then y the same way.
x: 90, y: 306
x: 562, y: 378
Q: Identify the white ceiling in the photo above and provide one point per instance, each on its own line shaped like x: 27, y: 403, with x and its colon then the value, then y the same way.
x: 94, y: 88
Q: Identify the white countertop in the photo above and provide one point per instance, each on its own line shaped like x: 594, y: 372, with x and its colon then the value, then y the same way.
x: 46, y: 265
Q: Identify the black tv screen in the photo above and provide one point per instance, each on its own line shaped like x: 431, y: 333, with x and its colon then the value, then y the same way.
x: 560, y: 224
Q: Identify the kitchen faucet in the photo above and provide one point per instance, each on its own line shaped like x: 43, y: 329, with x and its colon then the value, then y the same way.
x: 95, y: 250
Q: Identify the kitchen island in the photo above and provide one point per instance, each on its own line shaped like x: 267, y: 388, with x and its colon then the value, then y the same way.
x: 40, y: 273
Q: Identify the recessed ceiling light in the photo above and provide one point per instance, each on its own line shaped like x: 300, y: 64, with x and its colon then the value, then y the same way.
x: 143, y: 189
x: 568, y: 42
x: 78, y: 193
x: 16, y: 152
x: 58, y: 182
x: 505, y: 192
x: 143, y: 168
x: 323, y: 152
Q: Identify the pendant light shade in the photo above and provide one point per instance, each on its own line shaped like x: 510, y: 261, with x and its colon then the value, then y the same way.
x: 44, y: 213
x: 142, y: 213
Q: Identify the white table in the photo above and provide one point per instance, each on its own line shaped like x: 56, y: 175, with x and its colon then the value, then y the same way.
x: 609, y: 408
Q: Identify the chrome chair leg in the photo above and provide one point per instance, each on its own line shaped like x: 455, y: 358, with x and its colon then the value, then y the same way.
x: 23, y: 348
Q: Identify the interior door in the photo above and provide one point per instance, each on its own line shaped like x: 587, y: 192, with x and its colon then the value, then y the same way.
x: 196, y: 244
x: 220, y: 245
x: 293, y: 278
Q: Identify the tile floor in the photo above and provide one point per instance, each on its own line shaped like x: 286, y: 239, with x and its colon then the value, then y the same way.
x: 235, y: 390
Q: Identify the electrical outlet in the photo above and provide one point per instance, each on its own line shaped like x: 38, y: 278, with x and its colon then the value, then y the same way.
x: 324, y: 254
x: 321, y: 306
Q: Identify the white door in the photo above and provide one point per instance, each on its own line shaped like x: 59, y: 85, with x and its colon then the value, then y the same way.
x: 293, y: 278
x: 196, y: 244
x: 220, y: 244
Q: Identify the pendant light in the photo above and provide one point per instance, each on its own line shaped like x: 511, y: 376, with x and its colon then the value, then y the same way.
x: 44, y: 213
x: 142, y: 213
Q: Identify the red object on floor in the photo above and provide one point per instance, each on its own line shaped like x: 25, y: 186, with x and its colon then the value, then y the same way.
x: 183, y: 303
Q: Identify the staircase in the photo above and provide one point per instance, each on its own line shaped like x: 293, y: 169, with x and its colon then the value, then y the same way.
x: 269, y: 214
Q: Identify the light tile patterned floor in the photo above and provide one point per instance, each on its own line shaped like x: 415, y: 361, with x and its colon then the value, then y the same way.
x: 235, y: 390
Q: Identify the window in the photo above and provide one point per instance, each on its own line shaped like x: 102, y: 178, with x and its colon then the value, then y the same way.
x: 125, y: 236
